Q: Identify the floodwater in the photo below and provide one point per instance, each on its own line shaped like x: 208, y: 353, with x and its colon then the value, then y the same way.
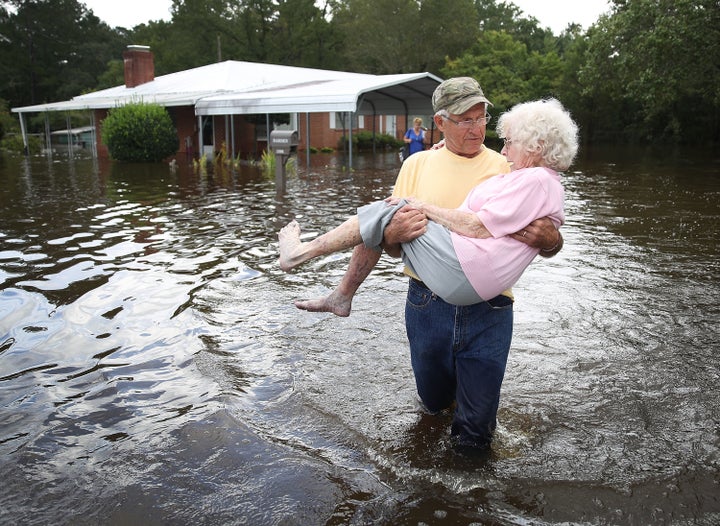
x: 154, y: 371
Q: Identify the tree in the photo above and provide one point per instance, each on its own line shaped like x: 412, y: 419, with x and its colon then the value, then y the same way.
x: 379, y: 34
x: 453, y: 26
x: 51, y: 50
x: 653, y: 67
x: 648, y: 70
x: 506, y: 70
x: 304, y: 37
x: 403, y: 36
x: 572, y: 46
x: 290, y: 32
x: 507, y: 17
x: 201, y: 32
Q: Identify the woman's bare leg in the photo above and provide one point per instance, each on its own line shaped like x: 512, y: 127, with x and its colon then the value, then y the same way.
x: 294, y: 252
x: 339, y: 301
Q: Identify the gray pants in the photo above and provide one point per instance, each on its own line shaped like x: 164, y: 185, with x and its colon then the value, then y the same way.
x: 431, y: 256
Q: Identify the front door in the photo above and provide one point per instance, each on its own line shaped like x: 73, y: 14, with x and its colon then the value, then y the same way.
x: 208, y: 135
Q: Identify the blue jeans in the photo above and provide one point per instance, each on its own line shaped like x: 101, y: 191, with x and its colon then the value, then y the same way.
x: 459, y: 354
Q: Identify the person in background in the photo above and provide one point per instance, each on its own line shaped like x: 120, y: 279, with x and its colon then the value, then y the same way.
x: 458, y: 353
x: 415, y: 137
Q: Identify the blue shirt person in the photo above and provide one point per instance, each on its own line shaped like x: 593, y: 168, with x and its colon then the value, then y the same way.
x: 415, y: 137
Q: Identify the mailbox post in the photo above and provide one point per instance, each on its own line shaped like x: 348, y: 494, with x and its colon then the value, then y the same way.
x: 283, y: 143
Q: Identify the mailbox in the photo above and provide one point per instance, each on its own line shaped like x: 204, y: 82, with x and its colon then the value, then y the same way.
x: 283, y: 142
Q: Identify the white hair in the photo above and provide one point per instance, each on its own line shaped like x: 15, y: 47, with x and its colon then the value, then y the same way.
x: 544, y: 129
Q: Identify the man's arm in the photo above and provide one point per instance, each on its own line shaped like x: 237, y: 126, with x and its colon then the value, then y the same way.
x: 407, y: 224
x: 541, y: 234
x: 554, y: 249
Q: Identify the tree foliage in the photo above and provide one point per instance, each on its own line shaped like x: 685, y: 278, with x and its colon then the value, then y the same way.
x: 506, y: 69
x: 654, y: 65
x: 359, y: 22
x: 52, y: 50
x: 647, y: 70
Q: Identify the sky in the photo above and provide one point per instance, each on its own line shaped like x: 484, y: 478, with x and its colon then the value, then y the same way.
x: 555, y: 14
x: 129, y: 13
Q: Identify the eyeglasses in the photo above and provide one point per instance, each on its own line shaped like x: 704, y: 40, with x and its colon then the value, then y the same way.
x: 470, y: 123
x: 507, y: 142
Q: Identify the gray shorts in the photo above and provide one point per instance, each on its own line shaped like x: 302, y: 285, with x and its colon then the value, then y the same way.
x: 431, y: 256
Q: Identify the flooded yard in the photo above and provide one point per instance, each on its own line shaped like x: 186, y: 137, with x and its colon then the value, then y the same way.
x: 153, y: 369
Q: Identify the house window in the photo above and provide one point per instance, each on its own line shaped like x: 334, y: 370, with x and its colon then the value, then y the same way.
x: 391, y: 125
x: 340, y: 120
x: 285, y: 121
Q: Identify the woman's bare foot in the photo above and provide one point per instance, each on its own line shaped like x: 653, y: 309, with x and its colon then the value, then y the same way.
x: 289, y: 238
x: 335, y: 303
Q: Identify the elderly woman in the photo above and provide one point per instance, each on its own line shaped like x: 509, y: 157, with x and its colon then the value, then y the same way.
x: 478, y: 259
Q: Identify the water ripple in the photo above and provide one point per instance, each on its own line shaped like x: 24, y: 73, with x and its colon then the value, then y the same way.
x: 149, y: 346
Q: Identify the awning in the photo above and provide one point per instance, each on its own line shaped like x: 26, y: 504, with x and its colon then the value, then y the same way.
x: 371, y: 94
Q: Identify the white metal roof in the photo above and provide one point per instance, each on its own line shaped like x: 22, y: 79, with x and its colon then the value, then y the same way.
x: 233, y: 87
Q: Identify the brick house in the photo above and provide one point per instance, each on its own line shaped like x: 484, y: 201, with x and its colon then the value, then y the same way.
x: 235, y: 104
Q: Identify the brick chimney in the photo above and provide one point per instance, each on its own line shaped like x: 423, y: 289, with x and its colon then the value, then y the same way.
x: 139, y: 65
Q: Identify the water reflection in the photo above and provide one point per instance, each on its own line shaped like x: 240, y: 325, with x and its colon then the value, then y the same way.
x: 154, y: 370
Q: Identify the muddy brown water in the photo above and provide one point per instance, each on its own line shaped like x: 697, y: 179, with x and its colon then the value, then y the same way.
x: 153, y: 369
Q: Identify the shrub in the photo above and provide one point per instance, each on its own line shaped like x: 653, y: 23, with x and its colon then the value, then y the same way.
x: 268, y: 162
x: 139, y: 132
x: 7, y: 123
x: 363, y: 141
x: 13, y: 142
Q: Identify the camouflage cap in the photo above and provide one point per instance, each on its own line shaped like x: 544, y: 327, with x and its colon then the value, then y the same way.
x: 457, y: 95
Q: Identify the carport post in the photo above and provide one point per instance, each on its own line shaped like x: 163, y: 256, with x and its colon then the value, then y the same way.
x: 94, y: 135
x: 307, y: 140
x: 26, y: 149
x: 48, y: 142
x: 200, y: 137
x: 350, y: 128
x: 69, y: 136
x: 232, y: 135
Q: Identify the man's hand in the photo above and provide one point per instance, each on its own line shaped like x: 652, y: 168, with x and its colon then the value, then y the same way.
x: 541, y: 234
x: 407, y: 224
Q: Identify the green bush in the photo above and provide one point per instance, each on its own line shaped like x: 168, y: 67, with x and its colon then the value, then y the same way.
x: 139, y: 132
x: 363, y: 141
x: 7, y: 123
x: 13, y: 142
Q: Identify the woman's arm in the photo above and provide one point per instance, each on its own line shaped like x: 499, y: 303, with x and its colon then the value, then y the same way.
x: 463, y: 223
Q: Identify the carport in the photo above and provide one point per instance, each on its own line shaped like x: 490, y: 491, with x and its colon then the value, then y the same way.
x: 373, y: 95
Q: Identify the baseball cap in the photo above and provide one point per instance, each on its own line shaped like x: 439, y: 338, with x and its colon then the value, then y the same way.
x: 457, y: 95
